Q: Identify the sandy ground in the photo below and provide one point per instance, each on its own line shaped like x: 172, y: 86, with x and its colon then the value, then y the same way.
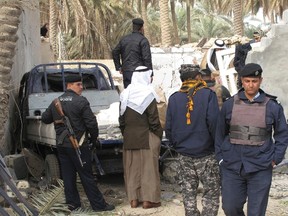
x: 114, y: 191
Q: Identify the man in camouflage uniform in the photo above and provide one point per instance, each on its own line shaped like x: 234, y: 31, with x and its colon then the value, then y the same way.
x: 190, y: 127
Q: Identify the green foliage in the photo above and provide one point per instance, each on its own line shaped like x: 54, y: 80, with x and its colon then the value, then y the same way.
x: 109, y: 21
x: 204, y: 23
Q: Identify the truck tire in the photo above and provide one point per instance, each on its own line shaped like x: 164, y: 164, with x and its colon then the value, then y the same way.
x: 52, y: 169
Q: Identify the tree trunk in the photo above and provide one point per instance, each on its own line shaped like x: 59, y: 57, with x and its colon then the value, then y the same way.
x: 165, y: 23
x: 80, y: 18
x: 103, y: 37
x: 145, y: 18
x: 174, y: 21
x: 188, y: 6
x: 53, y: 21
x: 106, y: 46
x: 8, y: 27
x: 237, y: 18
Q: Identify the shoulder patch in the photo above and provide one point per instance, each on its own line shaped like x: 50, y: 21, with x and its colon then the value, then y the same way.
x: 273, y: 98
x: 276, y: 101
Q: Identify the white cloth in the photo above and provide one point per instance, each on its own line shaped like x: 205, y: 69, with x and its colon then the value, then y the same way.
x: 210, y: 52
x: 140, y: 93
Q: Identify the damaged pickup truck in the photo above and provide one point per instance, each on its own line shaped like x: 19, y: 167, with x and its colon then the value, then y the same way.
x: 41, y: 86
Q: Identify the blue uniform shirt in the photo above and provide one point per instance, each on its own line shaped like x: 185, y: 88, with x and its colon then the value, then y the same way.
x: 196, y: 139
x: 253, y: 158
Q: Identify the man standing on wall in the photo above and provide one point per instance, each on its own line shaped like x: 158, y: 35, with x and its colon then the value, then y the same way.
x: 133, y: 50
x: 251, y: 138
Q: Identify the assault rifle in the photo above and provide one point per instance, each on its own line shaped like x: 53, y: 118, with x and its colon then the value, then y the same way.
x: 71, y: 134
x: 97, y: 162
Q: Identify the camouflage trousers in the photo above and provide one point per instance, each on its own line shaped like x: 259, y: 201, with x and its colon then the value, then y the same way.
x: 192, y: 171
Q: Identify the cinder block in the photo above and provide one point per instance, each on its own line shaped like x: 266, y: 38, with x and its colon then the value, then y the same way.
x: 18, y: 164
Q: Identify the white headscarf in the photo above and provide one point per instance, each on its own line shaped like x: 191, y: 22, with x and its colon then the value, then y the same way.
x: 140, y: 93
x: 218, y: 44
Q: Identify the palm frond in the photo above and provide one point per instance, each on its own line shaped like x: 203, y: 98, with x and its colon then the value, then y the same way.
x: 51, y: 201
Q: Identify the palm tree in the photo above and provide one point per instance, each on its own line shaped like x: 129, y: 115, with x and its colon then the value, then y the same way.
x: 272, y: 8
x: 53, y: 19
x: 144, y: 6
x: 165, y: 23
x: 188, y: 10
x: 236, y: 6
x: 154, y: 24
x: 279, y: 6
x: 174, y: 22
x: 8, y: 27
x: 237, y: 18
x: 88, y: 26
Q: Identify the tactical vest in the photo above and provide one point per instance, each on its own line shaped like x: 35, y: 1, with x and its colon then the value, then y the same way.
x: 248, y: 125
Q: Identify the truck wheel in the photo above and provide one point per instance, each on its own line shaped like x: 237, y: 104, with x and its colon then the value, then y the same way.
x: 52, y: 170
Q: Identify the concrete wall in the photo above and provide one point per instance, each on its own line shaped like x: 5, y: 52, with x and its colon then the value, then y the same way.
x: 272, y: 56
x: 166, y: 63
x: 27, y: 56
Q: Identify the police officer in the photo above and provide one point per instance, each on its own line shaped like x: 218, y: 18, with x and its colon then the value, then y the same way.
x: 251, y: 138
x: 82, y: 119
x: 133, y: 50
x: 190, y: 127
x: 221, y: 91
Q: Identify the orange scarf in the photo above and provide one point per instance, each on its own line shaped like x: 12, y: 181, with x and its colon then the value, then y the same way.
x: 191, y: 87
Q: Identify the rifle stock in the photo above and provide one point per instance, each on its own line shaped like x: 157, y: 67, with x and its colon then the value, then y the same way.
x: 58, y: 106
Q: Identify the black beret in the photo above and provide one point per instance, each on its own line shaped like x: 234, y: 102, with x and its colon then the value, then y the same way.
x: 206, y: 72
x: 189, y: 71
x: 138, y: 21
x: 251, y: 70
x: 71, y: 78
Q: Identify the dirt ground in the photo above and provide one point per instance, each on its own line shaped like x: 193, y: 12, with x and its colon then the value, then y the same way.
x: 113, y: 188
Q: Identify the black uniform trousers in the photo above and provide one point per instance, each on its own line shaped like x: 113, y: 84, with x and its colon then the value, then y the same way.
x: 70, y: 165
x: 237, y: 187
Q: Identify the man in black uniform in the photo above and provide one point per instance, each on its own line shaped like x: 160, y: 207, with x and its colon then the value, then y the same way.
x: 82, y: 119
x: 251, y: 138
x: 133, y: 50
